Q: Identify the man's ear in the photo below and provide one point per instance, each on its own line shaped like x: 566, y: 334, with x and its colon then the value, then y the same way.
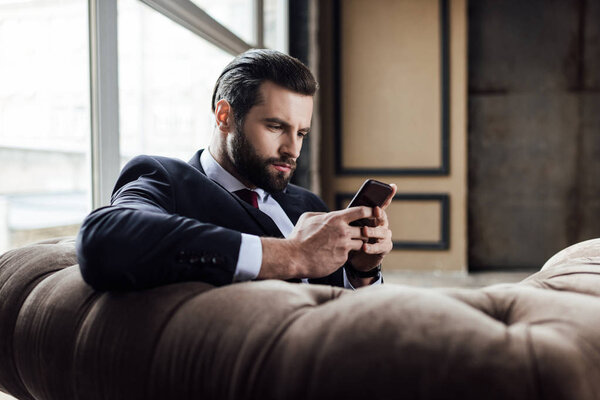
x: 224, y: 116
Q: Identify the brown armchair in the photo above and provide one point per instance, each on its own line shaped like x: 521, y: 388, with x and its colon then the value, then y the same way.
x: 60, y: 339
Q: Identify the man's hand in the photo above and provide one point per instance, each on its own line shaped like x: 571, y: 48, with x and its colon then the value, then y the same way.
x: 377, y: 245
x: 318, y: 245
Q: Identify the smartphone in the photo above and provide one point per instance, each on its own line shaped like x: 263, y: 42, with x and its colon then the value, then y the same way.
x: 372, y: 193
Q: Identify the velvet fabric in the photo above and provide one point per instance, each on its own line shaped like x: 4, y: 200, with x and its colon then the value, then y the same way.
x: 60, y: 339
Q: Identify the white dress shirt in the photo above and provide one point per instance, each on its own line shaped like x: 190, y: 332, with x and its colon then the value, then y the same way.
x: 250, y: 256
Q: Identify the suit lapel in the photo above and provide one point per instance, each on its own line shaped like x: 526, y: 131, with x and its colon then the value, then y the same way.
x: 291, y: 204
x: 263, y: 220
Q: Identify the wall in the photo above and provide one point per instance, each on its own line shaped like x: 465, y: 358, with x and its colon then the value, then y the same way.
x: 534, y: 129
x: 393, y: 108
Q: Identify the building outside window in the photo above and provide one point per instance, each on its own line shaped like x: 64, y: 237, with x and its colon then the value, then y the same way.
x: 44, y: 120
x: 166, y: 75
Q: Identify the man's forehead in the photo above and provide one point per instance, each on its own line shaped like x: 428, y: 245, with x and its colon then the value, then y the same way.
x: 288, y: 104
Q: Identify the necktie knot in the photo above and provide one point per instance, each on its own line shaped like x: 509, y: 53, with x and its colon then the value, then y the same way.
x: 249, y: 196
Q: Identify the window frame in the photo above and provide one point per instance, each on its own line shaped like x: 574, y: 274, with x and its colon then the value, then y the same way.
x: 104, y: 77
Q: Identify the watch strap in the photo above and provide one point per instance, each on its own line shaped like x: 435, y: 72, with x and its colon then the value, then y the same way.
x: 361, y: 274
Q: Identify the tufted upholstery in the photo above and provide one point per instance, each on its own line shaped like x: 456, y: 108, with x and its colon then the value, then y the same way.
x: 59, y: 339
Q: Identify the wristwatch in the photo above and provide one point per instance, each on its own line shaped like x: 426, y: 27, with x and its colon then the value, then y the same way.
x: 353, y: 272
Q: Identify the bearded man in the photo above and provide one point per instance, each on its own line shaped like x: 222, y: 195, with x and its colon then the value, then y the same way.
x: 230, y: 213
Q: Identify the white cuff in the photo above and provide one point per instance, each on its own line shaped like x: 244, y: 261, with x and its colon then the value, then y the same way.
x: 348, y: 285
x: 249, y: 259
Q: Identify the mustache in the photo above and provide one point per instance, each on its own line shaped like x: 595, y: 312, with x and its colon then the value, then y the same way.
x: 284, y: 160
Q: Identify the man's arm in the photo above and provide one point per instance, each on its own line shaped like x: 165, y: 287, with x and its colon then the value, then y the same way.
x: 140, y: 242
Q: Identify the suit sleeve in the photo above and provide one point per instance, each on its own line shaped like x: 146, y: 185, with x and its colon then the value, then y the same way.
x: 140, y: 242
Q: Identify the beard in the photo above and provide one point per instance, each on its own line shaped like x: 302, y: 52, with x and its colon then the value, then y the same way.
x: 256, y: 169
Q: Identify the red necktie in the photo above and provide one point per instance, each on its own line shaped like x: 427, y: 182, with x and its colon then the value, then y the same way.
x: 248, y: 196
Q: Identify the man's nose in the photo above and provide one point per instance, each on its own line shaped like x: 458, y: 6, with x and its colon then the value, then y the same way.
x: 291, y: 145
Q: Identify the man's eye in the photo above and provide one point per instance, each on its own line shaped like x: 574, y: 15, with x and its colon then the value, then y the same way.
x: 274, y: 127
x: 302, y: 134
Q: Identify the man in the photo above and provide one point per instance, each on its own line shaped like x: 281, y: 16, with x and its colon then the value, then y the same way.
x: 229, y: 214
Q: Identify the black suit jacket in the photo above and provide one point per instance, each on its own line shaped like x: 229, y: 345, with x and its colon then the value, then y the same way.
x: 168, y: 222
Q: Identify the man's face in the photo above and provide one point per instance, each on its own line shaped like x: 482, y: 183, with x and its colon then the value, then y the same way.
x: 265, y: 150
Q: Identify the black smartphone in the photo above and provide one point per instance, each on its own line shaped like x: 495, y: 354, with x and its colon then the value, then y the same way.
x: 372, y: 193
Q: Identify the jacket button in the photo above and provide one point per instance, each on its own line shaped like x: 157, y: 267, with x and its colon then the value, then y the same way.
x: 203, y: 259
x: 214, y: 260
x: 194, y: 259
x: 181, y: 257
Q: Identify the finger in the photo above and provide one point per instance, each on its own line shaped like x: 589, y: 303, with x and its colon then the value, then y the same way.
x: 353, y: 213
x: 377, y: 212
x: 354, y: 232
x: 384, y: 219
x: 381, y: 218
x: 379, y: 232
x: 388, y: 201
x: 377, y: 248
x: 310, y: 214
x: 356, y: 245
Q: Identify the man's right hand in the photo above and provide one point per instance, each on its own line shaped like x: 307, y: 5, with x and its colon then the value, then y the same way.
x: 318, y: 245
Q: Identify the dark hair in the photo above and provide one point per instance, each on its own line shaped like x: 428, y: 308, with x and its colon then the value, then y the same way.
x: 240, y: 81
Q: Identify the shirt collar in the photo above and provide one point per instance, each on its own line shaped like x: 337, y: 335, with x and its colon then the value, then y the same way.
x: 217, y: 173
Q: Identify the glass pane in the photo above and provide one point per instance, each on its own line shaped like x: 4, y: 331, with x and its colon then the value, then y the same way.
x: 235, y: 15
x: 276, y: 24
x: 45, y: 179
x: 166, y: 78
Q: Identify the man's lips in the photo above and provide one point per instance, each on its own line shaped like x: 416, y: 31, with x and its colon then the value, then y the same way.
x: 282, y: 167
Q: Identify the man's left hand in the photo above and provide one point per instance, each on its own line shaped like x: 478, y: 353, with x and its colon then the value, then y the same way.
x: 377, y: 237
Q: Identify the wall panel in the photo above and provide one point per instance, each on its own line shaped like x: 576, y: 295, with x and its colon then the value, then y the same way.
x: 393, y: 79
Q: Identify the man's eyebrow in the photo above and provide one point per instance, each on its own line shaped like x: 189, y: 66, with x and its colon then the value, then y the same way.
x: 277, y: 121
x: 284, y: 123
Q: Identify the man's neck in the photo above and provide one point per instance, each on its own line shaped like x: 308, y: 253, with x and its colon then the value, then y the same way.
x: 222, y: 158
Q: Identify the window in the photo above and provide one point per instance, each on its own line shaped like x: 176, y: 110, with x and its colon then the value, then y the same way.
x: 44, y: 120
x: 275, y: 24
x: 166, y: 78
x: 54, y: 141
x: 237, y: 15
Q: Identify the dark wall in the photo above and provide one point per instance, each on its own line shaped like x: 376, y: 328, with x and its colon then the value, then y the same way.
x: 534, y: 129
x: 299, y: 42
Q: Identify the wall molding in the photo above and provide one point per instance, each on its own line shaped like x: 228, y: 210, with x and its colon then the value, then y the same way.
x: 444, y: 236
x: 444, y: 168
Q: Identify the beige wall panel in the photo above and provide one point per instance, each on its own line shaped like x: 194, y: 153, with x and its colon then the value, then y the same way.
x: 391, y: 83
x: 414, y: 221
x: 453, y: 259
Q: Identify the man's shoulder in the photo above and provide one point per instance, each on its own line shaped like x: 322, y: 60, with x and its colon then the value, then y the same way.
x: 156, y: 161
x: 158, y: 169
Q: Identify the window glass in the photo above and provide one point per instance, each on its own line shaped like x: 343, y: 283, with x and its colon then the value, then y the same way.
x: 45, y: 178
x: 276, y: 24
x: 236, y: 15
x: 166, y: 78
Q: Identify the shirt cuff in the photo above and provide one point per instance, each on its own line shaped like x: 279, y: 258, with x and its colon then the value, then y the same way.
x: 249, y: 259
x: 348, y: 285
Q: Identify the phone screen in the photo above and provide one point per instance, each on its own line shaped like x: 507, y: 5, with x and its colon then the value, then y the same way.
x: 372, y: 193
